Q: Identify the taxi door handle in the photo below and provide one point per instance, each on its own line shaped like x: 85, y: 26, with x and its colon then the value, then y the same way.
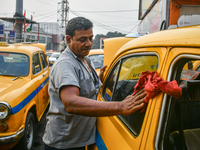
x: 43, y: 75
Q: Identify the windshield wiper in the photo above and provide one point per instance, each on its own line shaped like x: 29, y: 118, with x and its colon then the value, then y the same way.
x: 15, y: 78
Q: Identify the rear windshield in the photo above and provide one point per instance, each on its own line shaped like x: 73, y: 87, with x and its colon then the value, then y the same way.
x: 97, y: 60
x: 14, y: 64
x: 55, y: 55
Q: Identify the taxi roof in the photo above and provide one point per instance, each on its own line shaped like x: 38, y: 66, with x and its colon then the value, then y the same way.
x: 182, y: 37
x: 20, y: 48
x: 96, y: 51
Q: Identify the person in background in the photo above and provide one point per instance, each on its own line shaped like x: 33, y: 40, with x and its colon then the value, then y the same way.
x: 73, y: 87
x: 61, y: 51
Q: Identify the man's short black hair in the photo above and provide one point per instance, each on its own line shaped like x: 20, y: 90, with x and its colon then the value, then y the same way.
x: 78, y: 23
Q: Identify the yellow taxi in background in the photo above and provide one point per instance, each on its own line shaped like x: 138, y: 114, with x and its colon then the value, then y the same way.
x: 97, y: 57
x: 24, y: 80
x: 167, y: 123
x: 53, y: 58
x: 114, y: 44
x: 48, y: 54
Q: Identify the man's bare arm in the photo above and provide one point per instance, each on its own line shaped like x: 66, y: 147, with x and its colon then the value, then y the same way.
x: 76, y: 104
x: 101, y: 73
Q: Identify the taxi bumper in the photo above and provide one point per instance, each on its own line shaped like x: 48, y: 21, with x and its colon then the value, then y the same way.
x: 12, y: 138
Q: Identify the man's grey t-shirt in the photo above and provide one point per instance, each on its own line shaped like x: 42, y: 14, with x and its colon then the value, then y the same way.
x: 64, y: 130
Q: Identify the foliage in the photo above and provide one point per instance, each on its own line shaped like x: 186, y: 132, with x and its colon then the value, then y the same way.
x: 96, y: 42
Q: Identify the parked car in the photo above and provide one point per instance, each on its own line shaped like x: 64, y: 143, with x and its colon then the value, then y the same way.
x: 166, y: 123
x: 53, y: 58
x: 24, y: 80
x: 114, y: 44
x: 48, y: 54
x: 97, y: 57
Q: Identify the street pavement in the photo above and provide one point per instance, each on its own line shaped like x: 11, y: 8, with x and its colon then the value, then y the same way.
x: 38, y: 143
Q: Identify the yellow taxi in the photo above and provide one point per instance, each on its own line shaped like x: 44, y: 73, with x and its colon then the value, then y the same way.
x: 48, y: 54
x: 97, y: 57
x: 24, y: 80
x: 53, y: 58
x: 167, y: 123
x: 114, y: 44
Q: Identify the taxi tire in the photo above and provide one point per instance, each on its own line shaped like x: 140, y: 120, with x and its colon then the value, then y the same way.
x: 27, y: 141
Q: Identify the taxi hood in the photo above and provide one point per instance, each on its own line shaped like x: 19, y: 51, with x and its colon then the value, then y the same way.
x: 4, y: 86
x: 11, y: 87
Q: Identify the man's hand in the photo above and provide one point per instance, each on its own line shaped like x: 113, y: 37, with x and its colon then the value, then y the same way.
x: 102, y: 70
x: 134, y: 103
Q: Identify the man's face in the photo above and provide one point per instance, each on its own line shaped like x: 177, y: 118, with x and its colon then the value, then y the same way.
x: 81, y: 42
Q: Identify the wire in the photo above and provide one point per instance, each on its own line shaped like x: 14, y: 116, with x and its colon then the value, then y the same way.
x: 107, y: 11
x: 133, y: 28
x: 40, y: 11
x: 46, y: 17
x: 41, y: 15
x: 100, y: 24
x: 46, y: 3
x: 103, y: 14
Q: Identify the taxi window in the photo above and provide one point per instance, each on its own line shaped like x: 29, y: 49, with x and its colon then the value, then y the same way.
x: 44, y: 63
x: 36, y: 66
x: 182, y: 128
x: 129, y: 71
x: 109, y: 87
x: 14, y: 64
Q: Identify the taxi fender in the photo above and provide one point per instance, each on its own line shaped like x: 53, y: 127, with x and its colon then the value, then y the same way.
x: 31, y: 107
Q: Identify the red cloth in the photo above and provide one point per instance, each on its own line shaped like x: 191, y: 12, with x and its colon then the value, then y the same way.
x: 154, y: 84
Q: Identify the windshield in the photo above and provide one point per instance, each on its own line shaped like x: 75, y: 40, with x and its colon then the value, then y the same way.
x: 97, y: 60
x: 49, y: 54
x: 14, y: 64
x: 55, y: 55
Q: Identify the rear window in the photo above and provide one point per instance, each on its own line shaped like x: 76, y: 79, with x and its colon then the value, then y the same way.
x: 97, y: 60
x: 55, y: 55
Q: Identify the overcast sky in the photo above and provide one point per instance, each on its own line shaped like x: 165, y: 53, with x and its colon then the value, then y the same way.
x: 107, y: 15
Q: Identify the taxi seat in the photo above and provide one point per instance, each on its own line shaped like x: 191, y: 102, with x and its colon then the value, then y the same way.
x: 187, y: 120
x: 192, y: 139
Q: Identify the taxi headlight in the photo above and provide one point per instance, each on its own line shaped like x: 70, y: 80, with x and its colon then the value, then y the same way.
x: 5, y: 110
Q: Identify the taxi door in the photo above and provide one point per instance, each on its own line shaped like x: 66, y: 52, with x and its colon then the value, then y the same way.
x: 127, y: 132
x: 45, y: 75
x: 178, y: 126
x: 40, y: 78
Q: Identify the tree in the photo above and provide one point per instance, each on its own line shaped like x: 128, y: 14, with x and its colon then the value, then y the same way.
x: 96, y: 42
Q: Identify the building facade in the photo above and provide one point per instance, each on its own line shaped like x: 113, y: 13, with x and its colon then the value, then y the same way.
x: 49, y: 33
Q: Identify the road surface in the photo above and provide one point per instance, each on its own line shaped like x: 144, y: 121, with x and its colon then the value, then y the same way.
x: 38, y: 143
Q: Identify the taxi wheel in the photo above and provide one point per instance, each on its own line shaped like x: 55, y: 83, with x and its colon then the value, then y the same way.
x: 26, y: 143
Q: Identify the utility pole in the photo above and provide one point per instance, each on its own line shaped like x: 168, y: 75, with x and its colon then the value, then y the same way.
x: 66, y: 10
x: 66, y: 21
x: 61, y: 13
x: 62, y: 17
x: 18, y: 13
